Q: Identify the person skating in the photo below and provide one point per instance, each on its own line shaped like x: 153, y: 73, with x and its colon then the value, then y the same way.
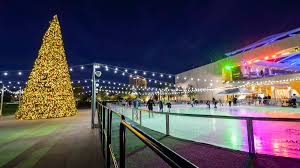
x: 221, y: 103
x: 150, y: 104
x: 214, y: 102
x: 161, y: 106
x: 294, y: 101
x: 208, y: 103
x: 234, y: 101
x: 229, y: 101
x: 192, y: 102
x: 169, y: 106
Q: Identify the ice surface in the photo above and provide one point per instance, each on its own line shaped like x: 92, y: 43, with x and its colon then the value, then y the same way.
x: 271, y: 137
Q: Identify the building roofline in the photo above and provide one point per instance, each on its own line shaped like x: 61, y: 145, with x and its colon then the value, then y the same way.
x: 265, y: 41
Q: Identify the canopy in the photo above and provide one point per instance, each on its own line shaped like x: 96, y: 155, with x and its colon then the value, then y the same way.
x: 235, y: 91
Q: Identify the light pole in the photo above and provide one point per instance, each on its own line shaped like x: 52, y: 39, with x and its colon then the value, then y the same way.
x: 2, y: 94
x: 98, y: 74
x: 20, y: 91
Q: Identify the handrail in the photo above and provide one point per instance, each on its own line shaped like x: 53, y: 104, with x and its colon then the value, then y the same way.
x: 171, y: 157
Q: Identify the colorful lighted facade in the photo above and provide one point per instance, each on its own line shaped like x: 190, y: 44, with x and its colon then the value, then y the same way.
x: 270, y: 66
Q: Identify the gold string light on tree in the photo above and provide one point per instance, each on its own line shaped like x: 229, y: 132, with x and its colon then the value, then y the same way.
x: 48, y: 93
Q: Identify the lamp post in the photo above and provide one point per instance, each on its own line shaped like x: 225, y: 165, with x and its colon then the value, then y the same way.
x: 20, y: 91
x: 98, y: 74
x: 2, y: 94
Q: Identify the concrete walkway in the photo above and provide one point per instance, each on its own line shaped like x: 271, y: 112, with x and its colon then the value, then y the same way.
x: 52, y: 143
x: 206, y: 156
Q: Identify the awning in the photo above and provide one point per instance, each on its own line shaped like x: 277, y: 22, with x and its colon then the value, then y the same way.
x: 236, y: 91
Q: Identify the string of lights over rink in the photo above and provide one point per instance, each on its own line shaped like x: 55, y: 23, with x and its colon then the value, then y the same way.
x: 122, y: 86
x: 141, y: 73
x: 130, y: 72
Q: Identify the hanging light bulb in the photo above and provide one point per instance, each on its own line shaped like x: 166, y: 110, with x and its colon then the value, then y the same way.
x: 82, y: 67
x: 153, y: 74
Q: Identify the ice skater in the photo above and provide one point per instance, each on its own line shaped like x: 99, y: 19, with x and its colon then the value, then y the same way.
x: 294, y: 101
x: 161, y: 106
x: 208, y: 103
x: 192, y: 103
x: 221, y: 103
x: 150, y: 104
x: 169, y: 106
x: 229, y: 101
x: 214, y: 101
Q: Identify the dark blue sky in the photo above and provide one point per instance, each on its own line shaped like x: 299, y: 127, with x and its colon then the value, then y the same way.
x: 166, y: 36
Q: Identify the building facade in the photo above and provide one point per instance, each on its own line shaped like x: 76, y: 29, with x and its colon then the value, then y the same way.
x: 269, y: 67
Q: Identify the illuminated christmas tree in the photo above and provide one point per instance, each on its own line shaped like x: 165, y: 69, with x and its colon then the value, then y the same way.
x: 48, y: 93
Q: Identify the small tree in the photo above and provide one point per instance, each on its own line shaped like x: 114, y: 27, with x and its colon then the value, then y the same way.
x: 180, y: 92
x: 191, y: 92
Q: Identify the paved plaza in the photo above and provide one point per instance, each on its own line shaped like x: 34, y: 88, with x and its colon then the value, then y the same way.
x: 50, y: 143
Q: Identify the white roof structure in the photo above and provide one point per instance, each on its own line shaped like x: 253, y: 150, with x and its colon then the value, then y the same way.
x: 265, y: 41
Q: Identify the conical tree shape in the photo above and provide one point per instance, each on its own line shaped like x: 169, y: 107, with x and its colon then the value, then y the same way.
x: 48, y: 93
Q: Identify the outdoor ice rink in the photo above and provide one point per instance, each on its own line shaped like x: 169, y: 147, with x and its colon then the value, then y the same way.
x: 271, y: 137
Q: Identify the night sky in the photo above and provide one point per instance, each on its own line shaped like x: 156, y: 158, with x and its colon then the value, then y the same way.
x: 164, y: 36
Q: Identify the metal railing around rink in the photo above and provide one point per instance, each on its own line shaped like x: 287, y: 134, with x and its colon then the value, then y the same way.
x: 249, y: 121
x: 105, y: 132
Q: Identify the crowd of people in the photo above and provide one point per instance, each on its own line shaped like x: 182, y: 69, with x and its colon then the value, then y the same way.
x: 231, y: 101
x: 137, y: 103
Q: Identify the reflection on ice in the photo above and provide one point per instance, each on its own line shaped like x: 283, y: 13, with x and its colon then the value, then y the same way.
x: 270, y: 137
